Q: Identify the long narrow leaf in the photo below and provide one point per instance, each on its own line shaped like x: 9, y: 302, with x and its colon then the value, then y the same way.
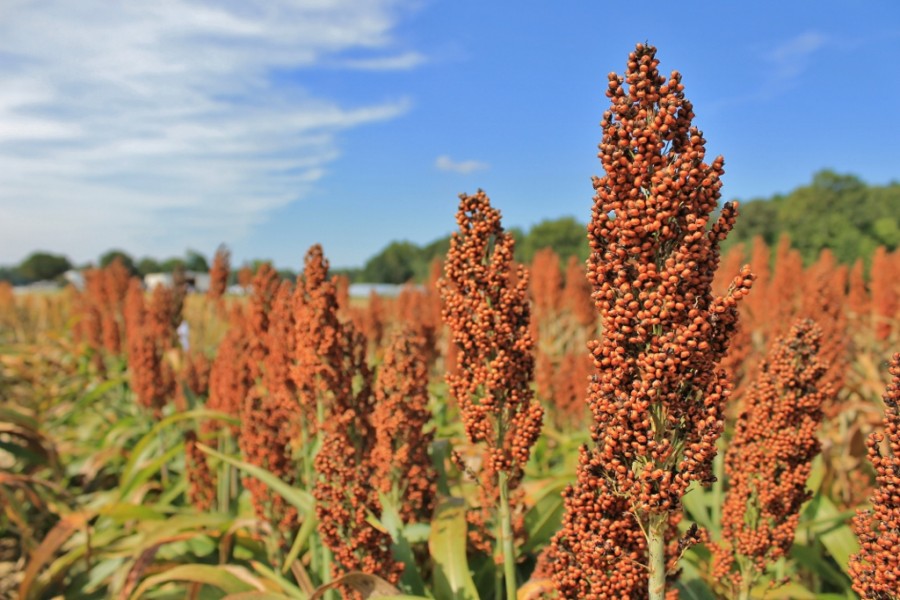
x: 452, y: 578
x: 301, y: 499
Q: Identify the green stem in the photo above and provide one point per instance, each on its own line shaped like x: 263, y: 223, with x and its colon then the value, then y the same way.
x: 744, y: 593
x: 656, y: 546
x: 506, y: 538
x: 747, y: 572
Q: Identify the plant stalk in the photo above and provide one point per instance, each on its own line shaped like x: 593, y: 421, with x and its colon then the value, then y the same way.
x: 656, y: 545
x: 506, y: 537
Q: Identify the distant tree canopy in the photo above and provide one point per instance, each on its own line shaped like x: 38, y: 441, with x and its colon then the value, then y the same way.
x: 566, y: 236
x: 123, y: 257
x: 835, y: 211
x: 41, y: 266
x: 404, y: 261
x: 148, y: 265
x: 838, y: 212
x: 194, y: 261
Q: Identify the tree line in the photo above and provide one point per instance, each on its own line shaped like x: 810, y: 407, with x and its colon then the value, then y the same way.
x: 836, y: 211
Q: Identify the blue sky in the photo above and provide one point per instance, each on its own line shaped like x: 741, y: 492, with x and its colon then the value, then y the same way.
x: 271, y: 125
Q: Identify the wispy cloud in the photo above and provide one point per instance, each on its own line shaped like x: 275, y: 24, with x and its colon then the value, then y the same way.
x: 157, y: 125
x: 790, y: 58
x: 445, y: 163
x: 397, y: 62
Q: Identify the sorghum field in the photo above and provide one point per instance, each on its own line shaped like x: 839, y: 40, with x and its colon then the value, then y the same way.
x: 662, y: 422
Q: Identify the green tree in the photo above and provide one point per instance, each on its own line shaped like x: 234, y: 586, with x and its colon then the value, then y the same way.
x: 835, y: 211
x: 397, y: 263
x: 566, y: 236
x: 148, y: 265
x: 170, y: 265
x: 194, y: 261
x: 40, y: 266
x: 124, y: 257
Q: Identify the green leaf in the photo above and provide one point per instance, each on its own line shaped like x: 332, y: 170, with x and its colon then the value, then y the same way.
x: 390, y: 518
x: 696, y: 502
x: 229, y: 579
x: 301, y: 499
x: 544, y: 519
x: 125, y: 511
x: 694, y: 589
x: 835, y: 534
x: 447, y: 544
x: 130, y: 470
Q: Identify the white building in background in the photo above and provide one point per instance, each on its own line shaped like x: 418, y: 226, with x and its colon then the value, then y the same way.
x: 385, y: 290
x: 75, y: 277
x: 197, y: 282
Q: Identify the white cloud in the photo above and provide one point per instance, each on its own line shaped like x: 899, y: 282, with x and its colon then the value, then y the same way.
x: 791, y: 58
x: 445, y: 163
x: 399, y: 62
x: 159, y: 125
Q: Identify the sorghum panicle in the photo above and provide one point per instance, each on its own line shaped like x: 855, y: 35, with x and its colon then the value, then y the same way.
x: 770, y: 456
x: 319, y: 350
x: 268, y: 410
x: 401, y: 412
x: 857, y: 292
x: 876, y: 569
x: 218, y: 274
x: 202, y: 481
x: 343, y: 489
x: 489, y: 321
x: 885, y: 287
x: 577, y: 295
x: 229, y: 376
x: 658, y: 395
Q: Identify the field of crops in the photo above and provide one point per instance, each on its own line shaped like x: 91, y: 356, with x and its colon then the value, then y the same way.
x: 664, y: 422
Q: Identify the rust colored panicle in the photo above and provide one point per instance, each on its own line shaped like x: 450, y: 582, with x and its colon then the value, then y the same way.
x: 196, y: 373
x: 572, y: 377
x: 489, y: 320
x: 259, y: 307
x: 245, y: 277
x: 319, y: 351
x: 885, y: 286
x: 487, y: 311
x: 152, y: 376
x: 202, y: 481
x: 577, y: 294
x: 857, y: 292
x: 219, y: 273
x: 229, y: 376
x: 770, y: 457
x: 658, y: 394
x: 193, y: 378
x: 546, y: 285
x: 400, y: 456
x: 823, y: 288
x: 268, y: 410
x: 875, y: 570
x: 414, y: 309
x: 343, y: 489
x: 161, y: 320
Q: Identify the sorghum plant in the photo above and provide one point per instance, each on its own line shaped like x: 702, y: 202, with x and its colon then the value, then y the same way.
x: 403, y: 468
x: 857, y: 292
x: 577, y: 295
x: 218, y: 274
x: 488, y: 316
x: 267, y: 411
x: 885, y: 287
x: 657, y: 397
x: 876, y: 569
x: 769, y: 459
x: 147, y: 339
x: 345, y: 470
